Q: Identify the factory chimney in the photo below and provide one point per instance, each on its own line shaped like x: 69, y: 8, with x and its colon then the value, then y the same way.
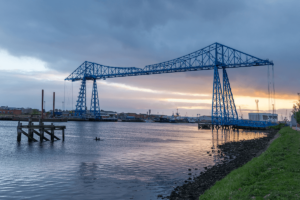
x: 256, y: 101
x: 53, y: 104
x: 42, y: 104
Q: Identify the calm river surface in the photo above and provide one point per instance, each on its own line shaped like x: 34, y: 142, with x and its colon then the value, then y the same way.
x: 134, y: 160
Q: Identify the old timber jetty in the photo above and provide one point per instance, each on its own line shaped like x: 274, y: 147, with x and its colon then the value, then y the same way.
x: 39, y: 130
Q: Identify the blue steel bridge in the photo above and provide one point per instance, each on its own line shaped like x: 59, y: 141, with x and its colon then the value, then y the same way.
x: 213, y: 57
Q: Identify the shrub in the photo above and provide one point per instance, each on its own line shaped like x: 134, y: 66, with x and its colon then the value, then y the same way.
x: 278, y: 127
x: 297, y: 116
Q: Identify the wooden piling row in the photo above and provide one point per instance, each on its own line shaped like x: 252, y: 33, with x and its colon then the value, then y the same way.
x: 204, y: 126
x: 39, y: 130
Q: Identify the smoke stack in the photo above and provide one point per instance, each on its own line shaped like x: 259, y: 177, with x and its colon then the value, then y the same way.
x: 256, y: 101
x: 42, y: 104
x: 53, y: 104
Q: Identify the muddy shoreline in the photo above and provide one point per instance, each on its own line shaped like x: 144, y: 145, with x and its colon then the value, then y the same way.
x: 234, y: 154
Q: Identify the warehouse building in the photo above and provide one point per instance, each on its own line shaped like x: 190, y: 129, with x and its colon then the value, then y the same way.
x: 263, y: 117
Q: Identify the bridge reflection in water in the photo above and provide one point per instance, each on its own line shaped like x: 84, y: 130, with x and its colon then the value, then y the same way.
x: 222, y: 136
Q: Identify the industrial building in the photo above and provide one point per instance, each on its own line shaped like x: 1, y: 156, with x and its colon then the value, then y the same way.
x: 263, y: 117
x: 293, y: 121
x: 11, y: 112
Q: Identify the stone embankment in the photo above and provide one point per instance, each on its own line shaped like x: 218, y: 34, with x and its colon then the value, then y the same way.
x: 235, y: 155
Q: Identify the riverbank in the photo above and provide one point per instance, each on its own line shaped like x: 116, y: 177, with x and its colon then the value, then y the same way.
x: 235, y: 155
x: 273, y: 175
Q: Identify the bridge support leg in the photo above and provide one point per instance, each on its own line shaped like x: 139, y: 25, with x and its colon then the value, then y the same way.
x: 95, y: 106
x: 81, y: 102
x: 230, y: 113
x: 217, y: 100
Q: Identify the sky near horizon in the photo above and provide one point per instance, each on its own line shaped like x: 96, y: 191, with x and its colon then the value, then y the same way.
x: 42, y: 42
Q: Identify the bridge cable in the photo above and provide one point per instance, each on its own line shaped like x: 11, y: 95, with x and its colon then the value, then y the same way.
x: 72, y: 97
x: 269, y: 103
x: 274, y: 108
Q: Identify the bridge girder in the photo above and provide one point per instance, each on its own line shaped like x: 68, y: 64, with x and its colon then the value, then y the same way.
x: 204, y: 59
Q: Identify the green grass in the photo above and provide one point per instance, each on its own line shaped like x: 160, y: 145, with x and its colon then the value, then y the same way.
x: 275, y: 173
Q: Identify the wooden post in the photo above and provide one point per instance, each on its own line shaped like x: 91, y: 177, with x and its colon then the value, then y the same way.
x: 63, y: 134
x: 30, y: 132
x: 19, y: 132
x: 41, y: 131
x: 52, y: 132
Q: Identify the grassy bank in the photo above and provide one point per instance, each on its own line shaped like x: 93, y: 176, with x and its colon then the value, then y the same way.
x: 275, y: 174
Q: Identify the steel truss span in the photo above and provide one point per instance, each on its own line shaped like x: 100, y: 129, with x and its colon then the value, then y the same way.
x: 213, y: 57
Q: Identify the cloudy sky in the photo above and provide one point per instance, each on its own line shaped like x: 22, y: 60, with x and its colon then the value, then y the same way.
x: 42, y: 42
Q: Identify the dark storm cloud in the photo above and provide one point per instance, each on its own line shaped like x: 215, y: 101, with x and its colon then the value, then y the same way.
x: 117, y: 32
x: 142, y: 32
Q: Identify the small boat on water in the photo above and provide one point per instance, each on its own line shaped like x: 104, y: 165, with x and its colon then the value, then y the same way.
x: 149, y: 121
x: 164, y: 119
x: 133, y: 120
x: 191, y: 120
x: 156, y: 119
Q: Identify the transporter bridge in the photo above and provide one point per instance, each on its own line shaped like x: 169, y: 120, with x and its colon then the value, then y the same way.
x: 213, y: 57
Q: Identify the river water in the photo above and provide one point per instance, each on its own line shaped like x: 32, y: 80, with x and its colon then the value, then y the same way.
x: 132, y: 160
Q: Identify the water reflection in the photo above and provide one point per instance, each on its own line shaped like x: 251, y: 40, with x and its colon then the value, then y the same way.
x: 134, y: 160
x: 222, y: 136
x: 88, y: 172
